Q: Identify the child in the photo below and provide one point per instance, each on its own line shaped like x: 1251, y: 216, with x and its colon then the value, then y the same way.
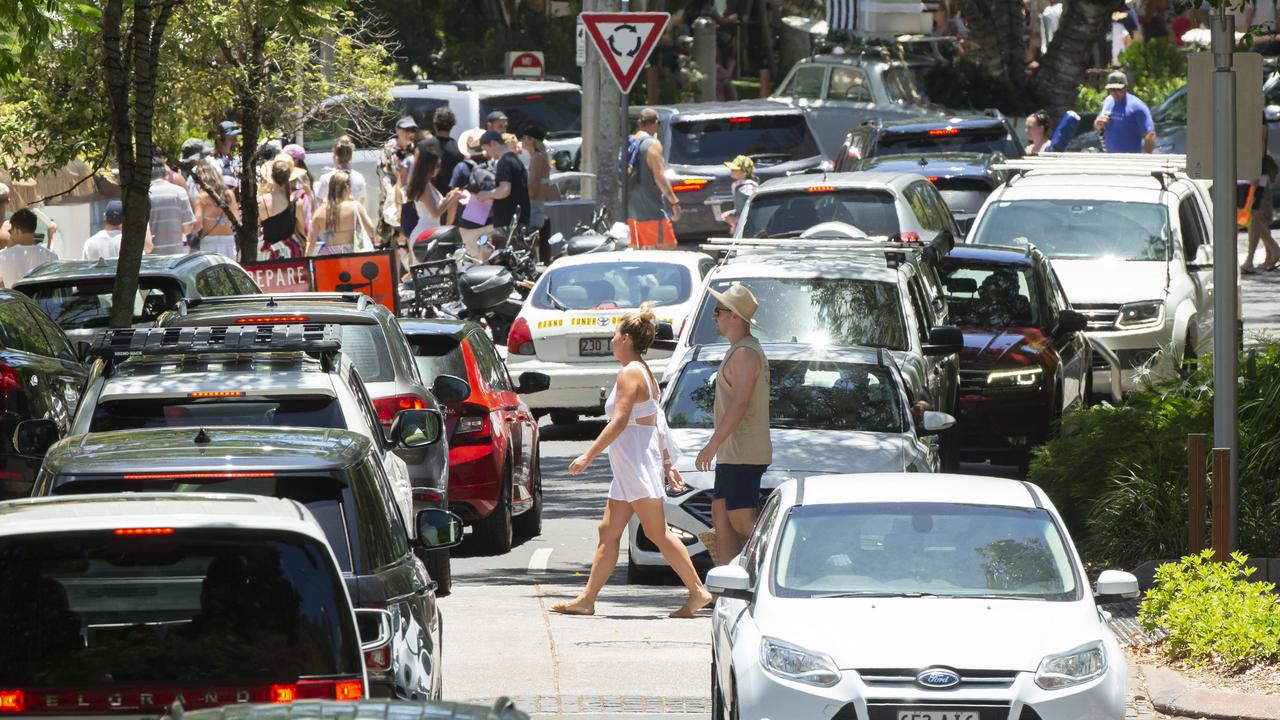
x: 741, y: 169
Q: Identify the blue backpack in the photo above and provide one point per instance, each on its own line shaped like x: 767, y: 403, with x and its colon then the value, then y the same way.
x: 633, y: 154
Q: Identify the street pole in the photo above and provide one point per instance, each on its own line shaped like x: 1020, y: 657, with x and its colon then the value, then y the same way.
x: 600, y: 126
x: 1225, y: 332
x: 622, y: 148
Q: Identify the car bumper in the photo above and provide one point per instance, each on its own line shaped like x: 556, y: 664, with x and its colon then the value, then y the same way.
x: 580, y: 387
x: 475, y: 481
x: 1003, y: 423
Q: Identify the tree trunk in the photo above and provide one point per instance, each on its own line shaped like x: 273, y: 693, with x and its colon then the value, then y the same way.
x: 1062, y: 69
x: 998, y: 29
x: 249, y: 110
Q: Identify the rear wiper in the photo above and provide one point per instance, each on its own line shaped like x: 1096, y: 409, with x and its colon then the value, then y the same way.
x: 554, y: 301
x: 783, y: 234
x: 770, y: 156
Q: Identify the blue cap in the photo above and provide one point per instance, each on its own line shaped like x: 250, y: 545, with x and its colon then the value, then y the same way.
x: 115, y: 212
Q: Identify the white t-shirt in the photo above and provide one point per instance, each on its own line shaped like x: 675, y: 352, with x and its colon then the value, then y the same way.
x: 18, y: 260
x: 357, y: 185
x: 1264, y: 14
x: 103, y: 244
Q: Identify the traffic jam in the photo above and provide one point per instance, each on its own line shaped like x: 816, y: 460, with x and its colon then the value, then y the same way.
x: 250, y: 496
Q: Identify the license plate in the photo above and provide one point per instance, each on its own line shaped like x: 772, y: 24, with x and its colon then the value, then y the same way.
x: 595, y: 347
x: 938, y: 715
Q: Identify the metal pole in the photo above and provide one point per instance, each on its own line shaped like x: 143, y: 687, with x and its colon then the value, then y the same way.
x: 1226, y: 290
x: 600, y: 138
x: 623, y: 181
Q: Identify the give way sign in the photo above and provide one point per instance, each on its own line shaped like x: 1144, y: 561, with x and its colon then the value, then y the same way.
x: 625, y: 41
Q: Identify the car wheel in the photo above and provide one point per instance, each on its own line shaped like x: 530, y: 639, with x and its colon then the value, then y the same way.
x: 529, y: 523
x: 440, y: 569
x: 717, y: 702
x: 495, y: 531
x: 564, y: 418
x: 1190, y: 362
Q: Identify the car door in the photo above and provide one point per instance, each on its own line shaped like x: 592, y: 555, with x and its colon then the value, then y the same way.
x: 730, y: 613
x: 66, y: 373
x: 1194, y: 236
x: 1074, y: 357
x: 504, y: 412
x: 939, y: 369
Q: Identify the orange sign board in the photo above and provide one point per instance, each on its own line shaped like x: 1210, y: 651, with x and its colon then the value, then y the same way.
x: 370, y: 273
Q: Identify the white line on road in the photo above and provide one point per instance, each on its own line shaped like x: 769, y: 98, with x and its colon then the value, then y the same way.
x: 538, y: 562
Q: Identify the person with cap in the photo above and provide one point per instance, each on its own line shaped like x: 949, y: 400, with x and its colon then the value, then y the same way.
x: 224, y: 153
x: 1124, y: 122
x: 496, y: 121
x: 398, y: 152
x: 106, y: 242
x: 511, y: 195
x: 742, y: 169
x: 740, y: 445
x: 25, y: 253
x: 172, y: 219
x: 647, y: 217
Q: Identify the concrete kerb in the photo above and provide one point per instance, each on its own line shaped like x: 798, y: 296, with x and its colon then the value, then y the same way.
x: 1172, y: 694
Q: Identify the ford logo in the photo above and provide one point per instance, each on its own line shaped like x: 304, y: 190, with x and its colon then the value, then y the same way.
x: 938, y: 678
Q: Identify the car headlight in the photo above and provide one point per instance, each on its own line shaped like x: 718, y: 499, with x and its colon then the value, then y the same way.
x: 1073, y: 667
x: 1147, y: 313
x: 795, y: 663
x: 1021, y: 377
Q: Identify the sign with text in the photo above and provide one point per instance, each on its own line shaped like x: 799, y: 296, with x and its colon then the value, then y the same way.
x: 282, y: 276
x: 525, y: 64
x: 625, y: 41
x: 370, y: 273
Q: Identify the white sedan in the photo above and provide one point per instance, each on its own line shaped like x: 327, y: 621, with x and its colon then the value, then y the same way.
x: 913, y: 596
x: 830, y: 410
x: 567, y: 322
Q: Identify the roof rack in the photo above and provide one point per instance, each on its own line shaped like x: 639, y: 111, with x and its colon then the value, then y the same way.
x: 930, y: 251
x: 273, y: 299
x: 423, y: 84
x: 1132, y: 164
x: 119, y: 344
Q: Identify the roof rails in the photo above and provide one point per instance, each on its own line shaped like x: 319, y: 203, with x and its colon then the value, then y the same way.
x: 116, y: 345
x: 931, y: 251
x: 272, y: 300
x: 424, y: 84
x: 1130, y: 164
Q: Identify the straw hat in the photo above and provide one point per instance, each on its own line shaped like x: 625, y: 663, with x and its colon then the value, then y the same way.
x: 740, y: 302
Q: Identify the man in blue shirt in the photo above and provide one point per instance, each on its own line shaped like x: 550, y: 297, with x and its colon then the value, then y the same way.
x: 1124, y: 121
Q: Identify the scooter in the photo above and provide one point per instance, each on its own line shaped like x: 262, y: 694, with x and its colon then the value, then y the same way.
x: 593, y: 236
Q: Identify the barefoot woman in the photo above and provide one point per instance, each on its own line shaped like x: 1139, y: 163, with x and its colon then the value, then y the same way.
x: 638, y: 462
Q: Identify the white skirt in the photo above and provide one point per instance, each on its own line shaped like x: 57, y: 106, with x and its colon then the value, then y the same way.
x: 636, y: 461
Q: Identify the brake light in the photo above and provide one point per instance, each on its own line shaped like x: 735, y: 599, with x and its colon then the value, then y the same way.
x: 854, y: 152
x: 9, y: 387
x: 348, y: 690
x: 283, y: 693
x: 520, y: 338
x: 197, y: 475
x: 909, y: 237
x: 388, y: 407
x: 273, y: 319
x: 945, y: 131
x: 822, y: 188
x: 144, y: 531
x: 428, y: 496
x: 378, y: 659
x: 932, y: 178
x: 689, y: 185
x: 216, y: 394
x: 12, y: 701
x: 739, y: 120
x: 532, y: 97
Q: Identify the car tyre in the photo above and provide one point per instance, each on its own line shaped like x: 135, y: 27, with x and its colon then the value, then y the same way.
x: 439, y: 567
x: 717, y: 702
x: 529, y: 523
x: 1190, y: 361
x: 495, y: 532
x: 564, y: 418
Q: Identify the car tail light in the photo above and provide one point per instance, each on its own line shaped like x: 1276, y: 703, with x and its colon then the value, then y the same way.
x: 283, y: 693
x: 472, y: 427
x: 348, y: 690
x: 378, y: 660
x: 822, y: 188
x: 328, y: 689
x: 215, y: 394
x: 14, y: 701
x: 198, y: 475
x: 740, y: 120
x: 9, y: 388
x: 388, y: 407
x: 684, y: 185
x: 945, y: 131
x: 272, y: 320
x: 520, y: 338
x: 932, y: 178
x: 428, y: 496
x: 909, y: 237
x: 144, y: 531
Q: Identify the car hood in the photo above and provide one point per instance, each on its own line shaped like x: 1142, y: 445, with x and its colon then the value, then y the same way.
x: 1004, y: 347
x: 882, y: 633
x: 1111, y: 282
x: 812, y: 452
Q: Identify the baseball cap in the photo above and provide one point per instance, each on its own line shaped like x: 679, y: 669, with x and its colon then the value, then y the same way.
x: 227, y: 127
x: 295, y: 151
x: 534, y: 131
x: 406, y: 123
x: 115, y: 212
x: 490, y: 136
x: 742, y: 163
x: 194, y: 148
x: 1117, y: 80
x: 495, y: 116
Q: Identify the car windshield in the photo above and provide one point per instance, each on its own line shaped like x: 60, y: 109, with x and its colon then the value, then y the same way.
x: 1080, y: 229
x: 990, y: 296
x: 803, y: 394
x: 816, y: 311
x: 194, y: 607
x: 80, y: 304
x: 779, y: 214
x: 953, y: 139
x: 964, y: 196
x: 766, y: 139
x: 923, y: 548
x: 560, y: 112
x: 438, y: 355
x: 612, y: 285
x: 138, y: 414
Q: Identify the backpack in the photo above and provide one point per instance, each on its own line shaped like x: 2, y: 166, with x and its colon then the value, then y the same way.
x: 482, y: 178
x: 635, y: 150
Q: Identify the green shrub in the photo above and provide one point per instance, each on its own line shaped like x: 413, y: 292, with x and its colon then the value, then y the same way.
x: 1156, y: 68
x: 1212, y: 613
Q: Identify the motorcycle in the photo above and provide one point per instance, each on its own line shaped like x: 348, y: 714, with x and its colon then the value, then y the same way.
x: 590, y: 237
x: 494, y: 292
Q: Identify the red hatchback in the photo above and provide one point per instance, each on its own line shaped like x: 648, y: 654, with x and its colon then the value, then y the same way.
x: 495, y: 484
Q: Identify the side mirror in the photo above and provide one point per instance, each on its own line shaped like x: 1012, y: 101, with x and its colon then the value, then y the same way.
x: 415, y: 429
x: 449, y: 389
x: 375, y: 628
x: 730, y: 581
x: 1072, y: 321
x: 935, y: 422
x: 35, y: 437
x: 1203, y: 258
x: 82, y: 351
x: 438, y: 529
x: 1271, y: 113
x: 1116, y: 585
x: 533, y: 382
x: 944, y: 340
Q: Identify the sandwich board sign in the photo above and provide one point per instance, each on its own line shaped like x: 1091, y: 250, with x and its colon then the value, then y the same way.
x: 625, y: 41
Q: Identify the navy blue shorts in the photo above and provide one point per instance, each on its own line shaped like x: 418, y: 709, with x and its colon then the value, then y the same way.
x: 738, y: 485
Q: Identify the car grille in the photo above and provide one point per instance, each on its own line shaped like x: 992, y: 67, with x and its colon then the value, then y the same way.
x: 973, y: 380
x: 905, y: 678
x: 699, y: 504
x: 888, y: 710
x: 1100, y: 317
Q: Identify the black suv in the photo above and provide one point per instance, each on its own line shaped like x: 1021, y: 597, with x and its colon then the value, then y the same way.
x: 964, y: 179
x: 970, y: 134
x: 336, y: 475
x: 40, y: 379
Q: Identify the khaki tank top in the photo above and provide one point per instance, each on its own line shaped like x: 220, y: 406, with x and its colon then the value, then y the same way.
x: 749, y: 444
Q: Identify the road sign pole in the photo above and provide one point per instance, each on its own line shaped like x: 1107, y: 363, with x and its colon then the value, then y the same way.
x: 623, y: 177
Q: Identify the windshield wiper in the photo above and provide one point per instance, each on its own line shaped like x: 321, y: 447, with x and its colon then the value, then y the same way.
x: 875, y: 594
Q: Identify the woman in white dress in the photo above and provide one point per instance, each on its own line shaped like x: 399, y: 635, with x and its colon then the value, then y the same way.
x: 640, y: 460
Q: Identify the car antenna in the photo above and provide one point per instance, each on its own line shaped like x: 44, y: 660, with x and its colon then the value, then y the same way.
x: 202, y: 437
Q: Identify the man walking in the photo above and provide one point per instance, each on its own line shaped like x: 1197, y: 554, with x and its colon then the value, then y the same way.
x: 106, y: 242
x: 647, y: 218
x: 25, y: 253
x: 224, y: 152
x: 496, y: 121
x: 443, y: 122
x: 1124, y: 122
x: 171, y: 217
x: 511, y: 196
x: 740, y: 444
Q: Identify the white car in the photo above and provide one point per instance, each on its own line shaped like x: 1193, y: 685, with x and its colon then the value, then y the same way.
x: 1131, y: 241
x: 913, y: 597
x: 831, y: 410
x: 566, y: 325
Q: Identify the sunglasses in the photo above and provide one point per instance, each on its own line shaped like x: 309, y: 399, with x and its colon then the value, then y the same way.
x: 720, y: 309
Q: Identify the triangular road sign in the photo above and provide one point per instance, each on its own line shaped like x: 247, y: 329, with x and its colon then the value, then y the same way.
x: 625, y: 41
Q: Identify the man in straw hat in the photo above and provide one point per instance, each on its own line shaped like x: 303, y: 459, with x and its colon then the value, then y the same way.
x: 740, y: 444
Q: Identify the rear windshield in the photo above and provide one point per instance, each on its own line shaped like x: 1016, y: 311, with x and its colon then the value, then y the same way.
x: 560, y: 112
x: 776, y: 215
x: 963, y: 196
x: 438, y: 355
x: 79, y: 304
x: 980, y: 140
x: 614, y: 285
x: 199, y: 607
x: 128, y: 414
x: 366, y: 346
x: 767, y: 139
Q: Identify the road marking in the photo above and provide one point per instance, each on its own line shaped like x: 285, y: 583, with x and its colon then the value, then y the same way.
x: 538, y: 562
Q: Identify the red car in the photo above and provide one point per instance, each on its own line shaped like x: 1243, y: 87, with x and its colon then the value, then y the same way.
x: 495, y: 485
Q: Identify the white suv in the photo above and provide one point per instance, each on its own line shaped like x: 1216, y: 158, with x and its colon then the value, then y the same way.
x: 1131, y: 241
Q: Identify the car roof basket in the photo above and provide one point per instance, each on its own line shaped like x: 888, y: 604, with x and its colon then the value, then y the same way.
x: 116, y: 345
x: 271, y: 300
x: 1076, y: 163
x: 930, y: 251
